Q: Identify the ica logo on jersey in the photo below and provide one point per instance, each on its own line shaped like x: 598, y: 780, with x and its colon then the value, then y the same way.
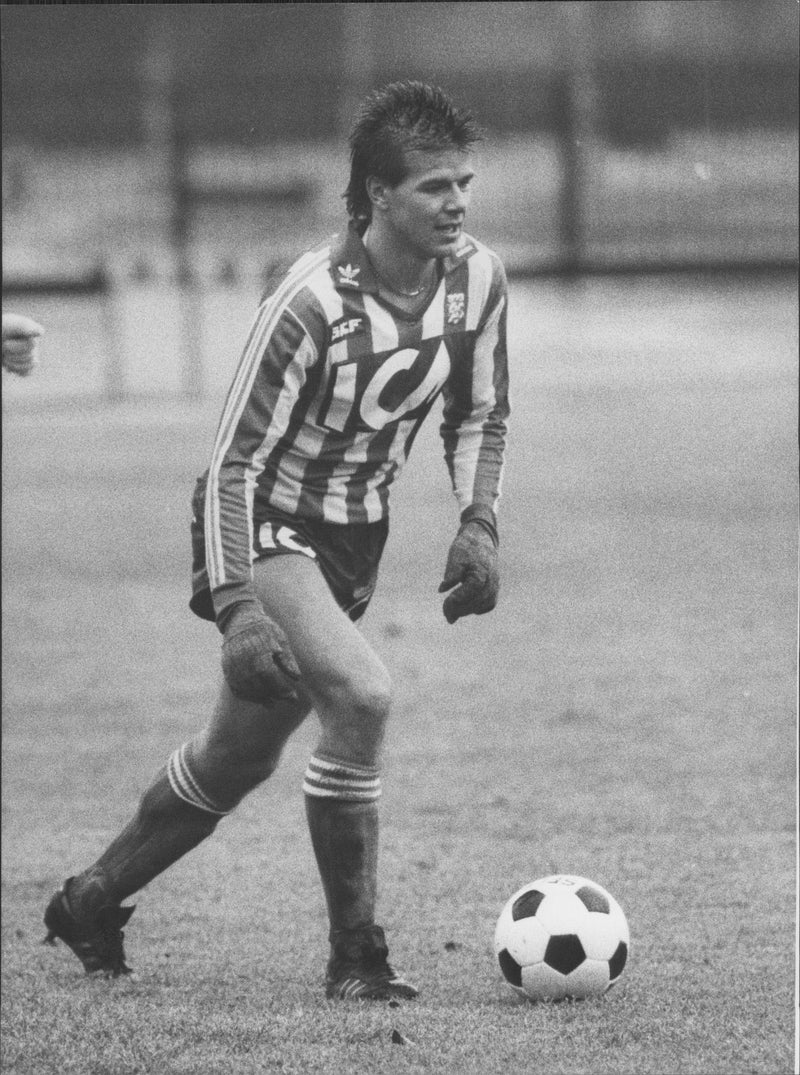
x: 371, y: 393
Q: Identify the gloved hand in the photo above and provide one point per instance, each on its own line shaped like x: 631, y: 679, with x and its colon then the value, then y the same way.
x: 20, y: 343
x: 256, y: 659
x: 472, y: 563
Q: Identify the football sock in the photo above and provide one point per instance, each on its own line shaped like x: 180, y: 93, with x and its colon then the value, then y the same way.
x: 174, y: 816
x: 342, y: 812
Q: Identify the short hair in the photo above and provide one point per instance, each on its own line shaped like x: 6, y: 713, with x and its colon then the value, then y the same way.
x: 396, y: 118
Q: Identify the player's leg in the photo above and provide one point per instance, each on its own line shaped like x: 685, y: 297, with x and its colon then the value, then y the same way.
x: 201, y: 783
x: 350, y: 690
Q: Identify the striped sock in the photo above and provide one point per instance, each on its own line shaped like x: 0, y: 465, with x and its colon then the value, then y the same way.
x: 174, y: 816
x: 185, y: 785
x: 326, y: 779
x: 342, y: 813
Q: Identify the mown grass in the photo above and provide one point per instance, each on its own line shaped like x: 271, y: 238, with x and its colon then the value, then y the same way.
x: 627, y: 714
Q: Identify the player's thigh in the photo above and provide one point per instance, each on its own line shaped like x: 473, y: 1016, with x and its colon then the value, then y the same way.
x: 340, y: 670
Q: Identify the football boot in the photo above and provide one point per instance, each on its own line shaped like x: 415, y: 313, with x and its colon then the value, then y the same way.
x: 96, y: 939
x: 358, y: 968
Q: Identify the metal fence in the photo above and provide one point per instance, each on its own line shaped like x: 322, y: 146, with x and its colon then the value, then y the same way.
x: 168, y: 154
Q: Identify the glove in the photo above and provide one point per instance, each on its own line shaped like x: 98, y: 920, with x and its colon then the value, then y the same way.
x: 20, y: 343
x: 472, y: 562
x: 256, y: 659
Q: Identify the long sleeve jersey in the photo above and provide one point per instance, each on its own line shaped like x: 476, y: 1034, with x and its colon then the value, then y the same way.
x: 332, y: 387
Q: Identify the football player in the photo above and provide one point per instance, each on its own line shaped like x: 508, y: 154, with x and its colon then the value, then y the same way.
x: 343, y: 362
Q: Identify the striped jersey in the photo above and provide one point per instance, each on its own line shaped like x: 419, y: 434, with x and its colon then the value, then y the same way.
x: 332, y: 387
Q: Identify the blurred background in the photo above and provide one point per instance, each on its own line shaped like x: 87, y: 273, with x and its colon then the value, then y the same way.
x: 160, y: 160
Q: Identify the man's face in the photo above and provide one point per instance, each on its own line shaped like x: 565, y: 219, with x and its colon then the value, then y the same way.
x: 425, y: 211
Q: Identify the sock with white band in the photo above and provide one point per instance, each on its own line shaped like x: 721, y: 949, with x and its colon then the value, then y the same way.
x: 173, y: 817
x: 186, y: 787
x: 326, y: 779
x: 342, y: 812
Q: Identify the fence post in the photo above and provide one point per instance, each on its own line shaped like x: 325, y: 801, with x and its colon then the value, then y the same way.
x: 114, y: 371
x: 576, y: 93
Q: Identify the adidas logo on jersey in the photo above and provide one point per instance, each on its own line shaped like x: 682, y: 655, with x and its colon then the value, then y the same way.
x: 348, y: 274
x: 342, y: 329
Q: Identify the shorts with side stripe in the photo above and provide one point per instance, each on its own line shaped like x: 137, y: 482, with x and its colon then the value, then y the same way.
x: 348, y: 554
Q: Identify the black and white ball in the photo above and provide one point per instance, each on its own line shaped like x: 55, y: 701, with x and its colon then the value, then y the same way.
x: 561, y: 937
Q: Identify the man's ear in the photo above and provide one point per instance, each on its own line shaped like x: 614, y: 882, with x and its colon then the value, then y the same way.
x: 376, y: 191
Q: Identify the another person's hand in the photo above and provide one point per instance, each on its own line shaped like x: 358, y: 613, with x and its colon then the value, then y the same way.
x: 20, y: 343
x: 256, y: 659
x: 472, y: 567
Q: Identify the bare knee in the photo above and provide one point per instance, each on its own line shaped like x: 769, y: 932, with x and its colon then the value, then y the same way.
x: 373, y: 700
x: 367, y: 697
x: 353, y: 712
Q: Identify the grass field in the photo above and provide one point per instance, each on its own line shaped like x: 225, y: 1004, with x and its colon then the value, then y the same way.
x: 627, y: 714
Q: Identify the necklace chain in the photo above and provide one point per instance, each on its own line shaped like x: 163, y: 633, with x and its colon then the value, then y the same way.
x: 393, y: 287
x: 399, y: 290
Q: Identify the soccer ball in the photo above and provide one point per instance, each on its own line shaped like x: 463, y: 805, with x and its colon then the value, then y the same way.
x: 561, y: 937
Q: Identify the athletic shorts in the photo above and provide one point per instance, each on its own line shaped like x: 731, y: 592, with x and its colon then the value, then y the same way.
x: 348, y: 555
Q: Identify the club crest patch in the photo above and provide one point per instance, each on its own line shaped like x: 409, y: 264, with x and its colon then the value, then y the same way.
x: 456, y: 305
